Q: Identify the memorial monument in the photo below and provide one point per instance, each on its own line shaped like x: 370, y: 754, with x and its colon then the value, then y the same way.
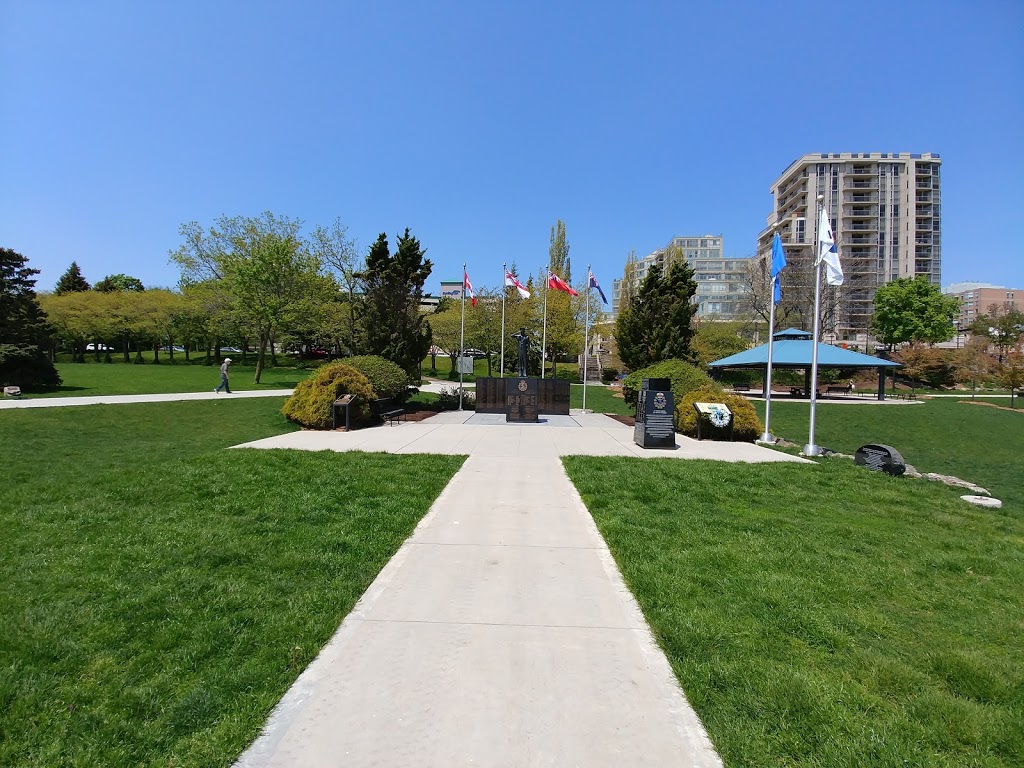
x: 523, y: 342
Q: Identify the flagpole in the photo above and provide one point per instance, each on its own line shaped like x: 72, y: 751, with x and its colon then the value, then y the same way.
x: 504, y: 271
x: 811, y: 449
x: 544, y: 335
x: 586, y: 339
x: 767, y: 436
x: 462, y: 333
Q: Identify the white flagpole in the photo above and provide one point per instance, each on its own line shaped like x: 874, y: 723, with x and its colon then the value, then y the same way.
x: 504, y: 290
x: 811, y: 449
x: 586, y: 339
x: 544, y: 335
x: 767, y: 436
x: 462, y: 333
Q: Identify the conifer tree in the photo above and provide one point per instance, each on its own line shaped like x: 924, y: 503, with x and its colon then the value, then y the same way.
x: 71, y: 281
x: 656, y: 324
x: 23, y: 328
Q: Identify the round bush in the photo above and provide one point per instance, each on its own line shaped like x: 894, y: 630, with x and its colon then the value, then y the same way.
x: 685, y: 379
x: 386, y: 378
x: 746, y: 425
x: 311, y: 403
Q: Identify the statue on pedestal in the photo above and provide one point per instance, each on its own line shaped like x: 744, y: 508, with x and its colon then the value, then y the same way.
x: 524, y: 350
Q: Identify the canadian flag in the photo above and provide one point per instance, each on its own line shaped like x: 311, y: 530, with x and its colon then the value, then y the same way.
x: 511, y: 280
x: 558, y: 284
x: 469, y: 287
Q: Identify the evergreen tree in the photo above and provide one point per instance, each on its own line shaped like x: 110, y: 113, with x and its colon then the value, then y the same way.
x: 71, y: 281
x: 558, y: 252
x: 23, y: 328
x: 393, y: 325
x: 656, y: 324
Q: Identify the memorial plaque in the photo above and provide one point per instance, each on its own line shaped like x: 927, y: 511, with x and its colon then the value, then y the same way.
x: 715, y: 415
x: 490, y: 395
x: 521, y: 400
x: 655, y: 418
x: 880, y: 458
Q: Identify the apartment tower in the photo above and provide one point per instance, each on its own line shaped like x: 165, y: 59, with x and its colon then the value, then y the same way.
x: 887, y: 219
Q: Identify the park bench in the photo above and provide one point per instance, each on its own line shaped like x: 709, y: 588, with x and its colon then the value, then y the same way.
x: 388, y: 410
x: 740, y: 387
x: 796, y: 392
x: 839, y: 390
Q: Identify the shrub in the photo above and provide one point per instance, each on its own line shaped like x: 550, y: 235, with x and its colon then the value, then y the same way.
x: 25, y: 366
x: 386, y: 378
x: 746, y: 425
x: 570, y: 374
x: 313, y: 399
x: 608, y: 375
x: 685, y: 378
x: 448, y: 399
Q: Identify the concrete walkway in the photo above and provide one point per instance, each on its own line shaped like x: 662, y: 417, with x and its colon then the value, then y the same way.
x: 63, y: 402
x: 500, y: 634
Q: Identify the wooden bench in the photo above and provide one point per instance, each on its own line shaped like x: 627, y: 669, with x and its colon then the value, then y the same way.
x: 740, y: 387
x: 839, y: 390
x: 388, y: 410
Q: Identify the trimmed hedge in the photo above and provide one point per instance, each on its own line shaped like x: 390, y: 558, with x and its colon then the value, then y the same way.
x: 311, y: 403
x: 685, y: 379
x: 386, y: 378
x: 747, y: 427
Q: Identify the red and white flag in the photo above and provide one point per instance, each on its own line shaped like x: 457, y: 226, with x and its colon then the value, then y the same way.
x: 558, y: 284
x: 511, y: 280
x: 468, y: 286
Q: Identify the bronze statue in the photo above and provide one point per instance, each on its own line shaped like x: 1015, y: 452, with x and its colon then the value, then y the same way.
x: 524, y: 349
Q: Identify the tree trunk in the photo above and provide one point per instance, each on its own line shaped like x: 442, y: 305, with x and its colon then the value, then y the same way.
x: 245, y: 350
x: 273, y: 352
x: 453, y: 363
x: 433, y: 363
x: 488, y: 365
x: 261, y: 357
x: 127, y: 355
x: 187, y: 348
x: 96, y: 351
x: 170, y: 348
x: 156, y: 352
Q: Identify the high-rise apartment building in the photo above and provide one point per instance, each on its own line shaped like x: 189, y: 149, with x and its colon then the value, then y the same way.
x: 722, y: 287
x: 886, y: 215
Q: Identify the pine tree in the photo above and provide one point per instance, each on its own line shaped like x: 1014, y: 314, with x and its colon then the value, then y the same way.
x: 71, y: 281
x: 23, y: 328
x: 393, y: 325
x: 656, y: 324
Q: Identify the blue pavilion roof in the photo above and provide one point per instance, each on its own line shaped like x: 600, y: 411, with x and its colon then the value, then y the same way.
x: 793, y: 348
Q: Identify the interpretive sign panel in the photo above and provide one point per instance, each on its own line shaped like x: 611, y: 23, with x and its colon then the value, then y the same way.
x: 880, y: 458
x: 521, y: 400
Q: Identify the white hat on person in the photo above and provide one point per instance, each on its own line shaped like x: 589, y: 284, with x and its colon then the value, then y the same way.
x: 227, y: 359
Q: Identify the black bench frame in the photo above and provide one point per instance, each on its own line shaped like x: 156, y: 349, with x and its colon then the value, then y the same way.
x: 388, y: 410
x: 847, y: 390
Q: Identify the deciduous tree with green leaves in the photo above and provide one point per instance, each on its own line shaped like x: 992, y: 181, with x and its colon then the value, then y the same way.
x: 913, y: 309
x: 119, y: 282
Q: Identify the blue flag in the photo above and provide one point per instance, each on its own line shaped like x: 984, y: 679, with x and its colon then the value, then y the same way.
x: 778, y: 264
x: 593, y: 284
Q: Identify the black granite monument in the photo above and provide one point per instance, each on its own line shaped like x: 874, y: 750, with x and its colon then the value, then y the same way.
x: 655, y: 415
x: 880, y: 458
x: 521, y: 400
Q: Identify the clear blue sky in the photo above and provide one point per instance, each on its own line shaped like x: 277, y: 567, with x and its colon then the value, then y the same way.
x: 477, y: 124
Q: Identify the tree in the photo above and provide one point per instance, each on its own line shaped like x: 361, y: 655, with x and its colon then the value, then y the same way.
x: 1003, y: 327
x: 392, y: 323
x: 337, y: 251
x: 657, y: 324
x: 713, y: 341
x: 266, y: 268
x: 912, y: 309
x: 71, y: 281
x: 918, y: 361
x: 24, y: 331
x: 119, y: 282
x: 1012, y: 371
x: 563, y: 328
x: 973, y: 363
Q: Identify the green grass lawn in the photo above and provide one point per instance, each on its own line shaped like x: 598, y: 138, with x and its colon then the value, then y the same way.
x: 161, y: 594
x: 599, y: 399
x: 826, y: 616
x: 85, y: 379
x: 979, y: 444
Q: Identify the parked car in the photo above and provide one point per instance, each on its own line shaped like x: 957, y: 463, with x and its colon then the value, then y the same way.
x: 473, y: 353
x: 230, y: 349
x: 98, y: 347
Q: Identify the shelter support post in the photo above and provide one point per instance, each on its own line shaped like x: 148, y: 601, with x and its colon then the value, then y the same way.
x: 807, y: 382
x: 881, y: 383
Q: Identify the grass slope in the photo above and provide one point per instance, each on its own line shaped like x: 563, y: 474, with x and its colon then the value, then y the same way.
x: 983, y: 445
x: 162, y: 594
x: 824, y: 616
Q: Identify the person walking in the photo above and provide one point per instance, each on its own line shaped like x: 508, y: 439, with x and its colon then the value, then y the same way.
x: 224, y: 376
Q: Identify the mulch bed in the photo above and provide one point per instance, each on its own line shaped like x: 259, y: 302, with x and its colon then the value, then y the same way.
x: 629, y: 421
x: 992, y: 405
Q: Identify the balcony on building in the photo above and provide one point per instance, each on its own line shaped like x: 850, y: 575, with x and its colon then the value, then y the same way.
x: 850, y: 184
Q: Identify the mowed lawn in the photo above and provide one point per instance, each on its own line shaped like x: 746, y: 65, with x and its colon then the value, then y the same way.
x: 825, y: 615
x: 978, y: 443
x: 160, y: 593
x: 87, y: 379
